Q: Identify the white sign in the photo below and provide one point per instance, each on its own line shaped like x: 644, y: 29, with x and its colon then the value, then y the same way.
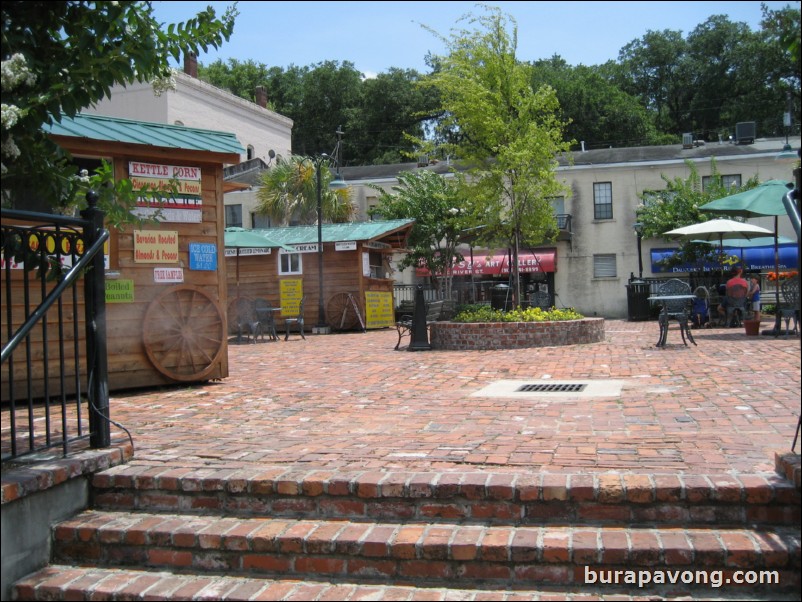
x: 372, y: 244
x: 349, y: 245
x: 247, y: 251
x: 186, y: 216
x: 301, y: 248
x: 168, y: 275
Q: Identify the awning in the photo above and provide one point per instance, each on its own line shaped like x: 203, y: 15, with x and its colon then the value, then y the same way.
x: 498, y: 264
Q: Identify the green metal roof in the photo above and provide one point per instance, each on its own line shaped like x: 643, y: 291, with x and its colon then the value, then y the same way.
x: 113, y: 129
x: 358, y: 231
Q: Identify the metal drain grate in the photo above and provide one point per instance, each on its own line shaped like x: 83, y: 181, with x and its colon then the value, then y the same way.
x: 552, y: 388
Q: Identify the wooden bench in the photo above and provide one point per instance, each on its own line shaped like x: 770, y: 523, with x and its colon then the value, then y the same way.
x: 434, y: 309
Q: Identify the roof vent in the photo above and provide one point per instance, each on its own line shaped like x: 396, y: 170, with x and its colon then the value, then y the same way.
x: 745, y: 132
x: 687, y: 141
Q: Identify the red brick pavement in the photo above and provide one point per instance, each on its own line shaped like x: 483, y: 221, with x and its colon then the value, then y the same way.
x: 349, y: 402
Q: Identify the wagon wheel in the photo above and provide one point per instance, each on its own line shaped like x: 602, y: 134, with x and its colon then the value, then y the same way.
x: 183, y: 333
x: 340, y: 312
x: 239, y: 309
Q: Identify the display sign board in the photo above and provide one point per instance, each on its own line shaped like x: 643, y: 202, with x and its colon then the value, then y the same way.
x: 183, y: 201
x: 155, y: 246
x: 379, y: 311
x: 291, y: 291
x: 168, y: 275
x: 203, y: 256
x: 119, y: 291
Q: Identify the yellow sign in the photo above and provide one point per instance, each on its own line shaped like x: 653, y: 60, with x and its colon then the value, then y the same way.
x: 379, y: 309
x: 155, y: 246
x: 291, y: 291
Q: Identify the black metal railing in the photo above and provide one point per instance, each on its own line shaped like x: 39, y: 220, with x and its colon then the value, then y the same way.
x: 55, y: 380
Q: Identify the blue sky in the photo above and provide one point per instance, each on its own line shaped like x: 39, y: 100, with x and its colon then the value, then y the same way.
x: 375, y: 36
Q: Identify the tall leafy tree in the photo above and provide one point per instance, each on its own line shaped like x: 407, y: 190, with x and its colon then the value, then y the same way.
x: 598, y: 112
x: 509, y: 134
x: 392, y: 105
x: 655, y: 71
x: 437, y: 205
x: 60, y: 57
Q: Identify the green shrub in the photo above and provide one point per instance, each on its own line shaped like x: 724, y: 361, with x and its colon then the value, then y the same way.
x: 485, y: 313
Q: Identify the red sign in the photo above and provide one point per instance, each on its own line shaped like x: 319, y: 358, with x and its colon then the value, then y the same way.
x: 498, y: 264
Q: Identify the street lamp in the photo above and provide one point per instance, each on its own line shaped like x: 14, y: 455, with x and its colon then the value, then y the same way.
x: 638, y: 227
x: 338, y: 182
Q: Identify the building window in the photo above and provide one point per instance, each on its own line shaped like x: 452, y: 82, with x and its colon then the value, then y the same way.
x: 250, y: 154
x: 260, y: 220
x: 603, y: 200
x: 728, y: 182
x: 289, y: 263
x: 604, y: 266
x: 558, y: 204
x: 233, y: 216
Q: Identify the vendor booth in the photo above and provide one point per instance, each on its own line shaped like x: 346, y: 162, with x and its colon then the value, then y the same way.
x: 357, y: 280
x: 165, y: 281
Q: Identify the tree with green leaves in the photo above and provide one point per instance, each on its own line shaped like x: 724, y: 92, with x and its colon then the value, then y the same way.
x: 677, y: 205
x: 288, y: 193
x: 599, y: 113
x: 436, y: 204
x: 60, y: 57
x: 508, y: 134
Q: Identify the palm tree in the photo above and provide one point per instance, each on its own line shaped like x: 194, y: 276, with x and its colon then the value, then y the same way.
x: 288, y: 192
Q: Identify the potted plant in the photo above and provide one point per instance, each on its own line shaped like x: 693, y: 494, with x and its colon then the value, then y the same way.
x: 751, y: 325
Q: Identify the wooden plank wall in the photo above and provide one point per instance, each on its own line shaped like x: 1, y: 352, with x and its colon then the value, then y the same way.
x: 342, y: 273
x: 129, y: 364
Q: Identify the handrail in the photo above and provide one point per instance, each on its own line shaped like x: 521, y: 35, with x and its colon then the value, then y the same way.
x: 69, y: 279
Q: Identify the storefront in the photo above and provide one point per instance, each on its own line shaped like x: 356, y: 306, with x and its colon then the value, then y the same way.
x: 481, y: 271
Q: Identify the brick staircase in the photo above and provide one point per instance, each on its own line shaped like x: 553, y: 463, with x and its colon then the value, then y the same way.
x: 279, y: 534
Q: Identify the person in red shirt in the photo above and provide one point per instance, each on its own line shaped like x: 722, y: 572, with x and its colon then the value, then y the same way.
x: 736, y: 279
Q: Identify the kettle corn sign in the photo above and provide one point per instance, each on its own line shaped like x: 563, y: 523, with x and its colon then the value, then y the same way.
x: 181, y: 184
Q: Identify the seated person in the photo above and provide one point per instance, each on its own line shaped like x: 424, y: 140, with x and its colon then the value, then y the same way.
x: 736, y: 279
x: 699, y: 315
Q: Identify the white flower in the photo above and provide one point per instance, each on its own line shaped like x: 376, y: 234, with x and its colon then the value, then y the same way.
x: 14, y: 72
x: 163, y: 84
x: 9, y: 115
x: 9, y: 148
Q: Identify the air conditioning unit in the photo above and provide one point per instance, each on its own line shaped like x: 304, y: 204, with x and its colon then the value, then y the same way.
x: 687, y: 141
x: 745, y: 132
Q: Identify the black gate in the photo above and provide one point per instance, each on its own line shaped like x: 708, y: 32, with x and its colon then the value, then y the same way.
x: 54, y: 380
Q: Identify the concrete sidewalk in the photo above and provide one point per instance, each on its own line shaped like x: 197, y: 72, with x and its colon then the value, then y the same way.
x: 348, y: 402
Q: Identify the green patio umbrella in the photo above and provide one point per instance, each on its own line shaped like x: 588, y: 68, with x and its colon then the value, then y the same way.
x: 761, y: 201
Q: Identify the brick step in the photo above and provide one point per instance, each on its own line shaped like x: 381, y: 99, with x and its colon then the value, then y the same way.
x: 62, y: 582
x: 499, y: 498
x: 437, y: 554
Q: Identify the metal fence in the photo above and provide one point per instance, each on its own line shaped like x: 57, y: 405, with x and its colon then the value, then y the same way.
x: 54, y: 363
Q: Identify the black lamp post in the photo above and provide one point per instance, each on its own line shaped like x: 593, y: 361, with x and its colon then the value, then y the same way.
x: 322, y: 327
x: 638, y: 227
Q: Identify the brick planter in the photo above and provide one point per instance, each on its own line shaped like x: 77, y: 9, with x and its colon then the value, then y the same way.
x: 515, y: 335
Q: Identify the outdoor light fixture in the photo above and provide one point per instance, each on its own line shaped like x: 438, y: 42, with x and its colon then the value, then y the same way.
x: 337, y: 183
x: 638, y: 227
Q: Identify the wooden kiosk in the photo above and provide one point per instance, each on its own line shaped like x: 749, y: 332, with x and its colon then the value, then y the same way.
x: 357, y: 274
x: 165, y: 283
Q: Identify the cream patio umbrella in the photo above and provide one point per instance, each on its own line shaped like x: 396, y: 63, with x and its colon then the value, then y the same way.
x: 717, y: 230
